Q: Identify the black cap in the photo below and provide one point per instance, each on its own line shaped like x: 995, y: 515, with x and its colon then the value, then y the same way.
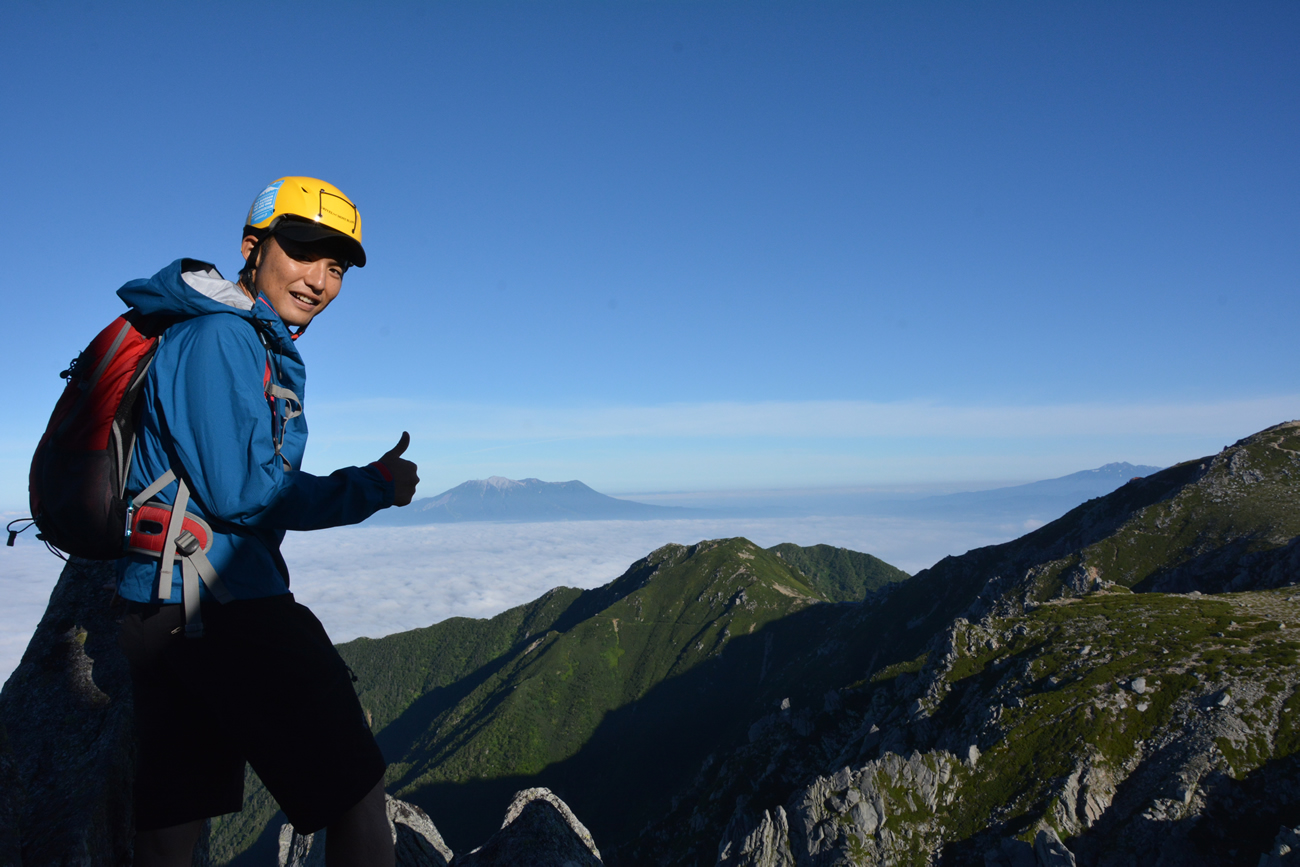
x: 308, y: 232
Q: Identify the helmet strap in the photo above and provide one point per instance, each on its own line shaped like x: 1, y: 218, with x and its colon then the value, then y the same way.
x: 248, y: 274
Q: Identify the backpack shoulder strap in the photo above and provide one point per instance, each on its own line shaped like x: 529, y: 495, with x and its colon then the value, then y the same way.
x: 276, y: 392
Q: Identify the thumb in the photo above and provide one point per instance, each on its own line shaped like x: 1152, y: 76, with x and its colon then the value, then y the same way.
x: 401, y: 446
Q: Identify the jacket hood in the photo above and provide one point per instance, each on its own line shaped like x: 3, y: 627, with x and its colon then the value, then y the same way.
x: 188, y: 287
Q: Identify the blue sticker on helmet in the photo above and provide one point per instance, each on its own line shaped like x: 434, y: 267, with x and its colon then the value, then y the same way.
x: 264, y: 204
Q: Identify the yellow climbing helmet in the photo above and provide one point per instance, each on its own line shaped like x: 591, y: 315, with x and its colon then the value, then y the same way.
x: 307, y: 210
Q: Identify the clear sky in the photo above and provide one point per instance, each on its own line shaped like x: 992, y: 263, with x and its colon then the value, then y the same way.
x: 661, y: 246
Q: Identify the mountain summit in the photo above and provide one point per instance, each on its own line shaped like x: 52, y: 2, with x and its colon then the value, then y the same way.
x: 520, y: 500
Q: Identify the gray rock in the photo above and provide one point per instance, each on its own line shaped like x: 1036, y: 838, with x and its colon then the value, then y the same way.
x: 1050, y: 851
x: 11, y: 804
x: 539, y: 830
x: 1139, y: 685
x: 1285, y: 851
x: 300, y: 850
x: 415, y: 839
x: 842, y: 818
x: 1096, y: 791
x: 67, y: 761
x: 765, y: 843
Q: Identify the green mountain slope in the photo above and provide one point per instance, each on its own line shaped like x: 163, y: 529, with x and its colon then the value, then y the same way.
x: 839, y: 574
x: 1023, y: 691
x: 552, y: 693
x: 563, y: 710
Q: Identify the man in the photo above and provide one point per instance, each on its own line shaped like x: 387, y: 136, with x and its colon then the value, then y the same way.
x: 230, y: 669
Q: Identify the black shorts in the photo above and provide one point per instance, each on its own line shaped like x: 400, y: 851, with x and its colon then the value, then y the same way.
x: 263, y: 685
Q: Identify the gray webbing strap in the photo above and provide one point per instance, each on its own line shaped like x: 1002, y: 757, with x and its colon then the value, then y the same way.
x: 169, y: 541
x: 295, y: 406
x: 194, y: 556
x: 292, y: 409
x: 158, y: 484
x: 190, y: 596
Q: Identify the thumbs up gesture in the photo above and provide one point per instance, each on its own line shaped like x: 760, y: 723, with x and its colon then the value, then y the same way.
x: 403, y: 471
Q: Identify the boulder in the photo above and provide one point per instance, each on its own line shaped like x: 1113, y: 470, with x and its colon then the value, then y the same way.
x: 415, y: 838
x: 761, y: 843
x: 1285, y: 851
x: 539, y: 830
x: 1050, y: 851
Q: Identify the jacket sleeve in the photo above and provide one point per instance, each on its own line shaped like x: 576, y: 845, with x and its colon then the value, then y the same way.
x: 221, y: 428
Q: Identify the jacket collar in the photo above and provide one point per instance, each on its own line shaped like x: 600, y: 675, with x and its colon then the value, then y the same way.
x: 189, y: 287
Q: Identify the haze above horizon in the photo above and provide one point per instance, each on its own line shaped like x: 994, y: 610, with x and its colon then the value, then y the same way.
x: 690, y: 247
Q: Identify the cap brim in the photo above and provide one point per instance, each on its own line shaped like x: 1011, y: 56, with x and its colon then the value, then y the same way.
x: 308, y: 233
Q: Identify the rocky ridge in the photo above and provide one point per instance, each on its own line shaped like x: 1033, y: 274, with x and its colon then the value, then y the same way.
x: 1051, y: 713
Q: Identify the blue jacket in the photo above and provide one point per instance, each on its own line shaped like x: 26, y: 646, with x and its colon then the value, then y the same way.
x: 205, y: 414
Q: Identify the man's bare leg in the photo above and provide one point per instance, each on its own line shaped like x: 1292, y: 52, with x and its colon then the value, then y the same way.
x: 168, y: 847
x: 361, y: 836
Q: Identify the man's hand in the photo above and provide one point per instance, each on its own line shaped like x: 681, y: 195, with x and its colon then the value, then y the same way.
x: 404, y: 477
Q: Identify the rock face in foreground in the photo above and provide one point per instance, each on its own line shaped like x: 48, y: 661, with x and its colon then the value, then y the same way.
x: 539, y: 830
x: 66, y: 715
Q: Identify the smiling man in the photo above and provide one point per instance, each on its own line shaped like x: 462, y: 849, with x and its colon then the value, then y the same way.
x: 227, y: 668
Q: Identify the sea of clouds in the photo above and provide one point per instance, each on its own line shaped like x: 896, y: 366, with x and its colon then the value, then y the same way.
x: 375, y: 581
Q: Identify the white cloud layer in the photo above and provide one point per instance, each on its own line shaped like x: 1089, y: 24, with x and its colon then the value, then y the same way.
x: 381, y: 580
x: 28, y: 573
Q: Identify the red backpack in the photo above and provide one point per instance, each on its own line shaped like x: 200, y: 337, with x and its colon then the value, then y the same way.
x: 79, y: 471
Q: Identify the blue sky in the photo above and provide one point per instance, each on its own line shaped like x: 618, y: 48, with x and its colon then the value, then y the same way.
x: 680, y: 246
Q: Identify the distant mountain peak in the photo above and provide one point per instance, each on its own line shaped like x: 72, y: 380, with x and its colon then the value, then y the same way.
x: 1121, y: 468
x: 497, y: 498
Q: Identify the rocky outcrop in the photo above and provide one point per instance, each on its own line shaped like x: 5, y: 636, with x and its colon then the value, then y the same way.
x: 1050, y: 851
x: 67, y: 752
x: 1285, y: 851
x: 845, y: 818
x: 761, y: 842
x: 415, y: 839
x: 539, y: 830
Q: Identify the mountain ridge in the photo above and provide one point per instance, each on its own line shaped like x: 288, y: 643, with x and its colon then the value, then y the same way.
x: 1021, y: 697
